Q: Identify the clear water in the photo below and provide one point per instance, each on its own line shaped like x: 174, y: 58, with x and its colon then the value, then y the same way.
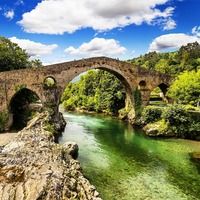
x: 125, y: 165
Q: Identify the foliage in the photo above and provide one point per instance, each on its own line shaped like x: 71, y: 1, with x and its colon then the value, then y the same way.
x: 19, y: 87
x: 181, y: 122
x: 138, y: 102
x: 13, y: 57
x: 151, y: 114
x: 174, y: 120
x: 3, y: 120
x: 173, y: 63
x: 186, y: 88
x: 175, y: 115
x: 97, y: 91
x: 49, y: 82
x: 35, y: 63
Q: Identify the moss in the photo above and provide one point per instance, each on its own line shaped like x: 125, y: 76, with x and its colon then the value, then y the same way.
x: 19, y: 87
x: 138, y: 102
x: 3, y: 120
x: 49, y: 128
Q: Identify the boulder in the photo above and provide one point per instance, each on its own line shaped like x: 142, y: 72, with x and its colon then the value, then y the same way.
x: 71, y: 148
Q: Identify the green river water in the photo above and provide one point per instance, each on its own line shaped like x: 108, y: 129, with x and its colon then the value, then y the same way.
x: 123, y: 164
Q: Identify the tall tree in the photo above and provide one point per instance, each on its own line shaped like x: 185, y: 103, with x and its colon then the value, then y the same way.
x: 13, y: 57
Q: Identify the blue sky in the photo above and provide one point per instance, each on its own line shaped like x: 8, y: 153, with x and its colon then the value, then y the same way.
x: 61, y: 30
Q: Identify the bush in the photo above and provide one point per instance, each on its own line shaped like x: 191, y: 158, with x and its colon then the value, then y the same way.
x: 181, y: 122
x: 151, y: 114
x: 175, y: 115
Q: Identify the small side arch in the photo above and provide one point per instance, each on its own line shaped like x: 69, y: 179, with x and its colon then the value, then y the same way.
x: 21, y: 107
x: 159, y: 93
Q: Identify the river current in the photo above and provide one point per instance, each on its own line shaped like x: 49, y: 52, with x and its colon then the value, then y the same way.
x: 124, y: 164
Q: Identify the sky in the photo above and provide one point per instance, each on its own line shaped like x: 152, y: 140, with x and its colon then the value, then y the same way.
x: 61, y: 30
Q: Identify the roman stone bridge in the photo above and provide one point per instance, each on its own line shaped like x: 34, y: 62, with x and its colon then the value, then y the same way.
x: 133, y: 78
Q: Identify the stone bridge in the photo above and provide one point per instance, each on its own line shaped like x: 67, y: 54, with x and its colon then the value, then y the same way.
x: 133, y: 78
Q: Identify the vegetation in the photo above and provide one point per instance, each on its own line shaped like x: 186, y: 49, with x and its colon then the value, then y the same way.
x: 13, y: 57
x: 174, y: 120
x: 49, y: 82
x: 3, y: 120
x: 186, y: 88
x: 151, y: 114
x: 97, y: 91
x: 173, y: 63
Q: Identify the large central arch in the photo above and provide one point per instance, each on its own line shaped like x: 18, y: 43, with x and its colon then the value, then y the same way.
x: 71, y: 74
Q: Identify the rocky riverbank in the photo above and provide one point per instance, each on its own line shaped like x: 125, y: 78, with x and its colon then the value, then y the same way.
x: 5, y: 138
x: 33, y: 166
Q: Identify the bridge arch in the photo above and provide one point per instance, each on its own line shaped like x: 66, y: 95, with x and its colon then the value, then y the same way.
x: 21, y: 103
x: 163, y: 87
x: 105, y: 67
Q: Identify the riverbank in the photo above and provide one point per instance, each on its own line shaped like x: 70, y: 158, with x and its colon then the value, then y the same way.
x: 5, y: 138
x: 33, y: 166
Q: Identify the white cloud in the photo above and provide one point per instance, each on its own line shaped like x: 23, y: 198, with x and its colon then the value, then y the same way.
x: 59, y: 16
x: 174, y: 41
x: 9, y: 14
x: 196, y: 31
x: 97, y: 47
x: 169, y: 25
x: 34, y: 48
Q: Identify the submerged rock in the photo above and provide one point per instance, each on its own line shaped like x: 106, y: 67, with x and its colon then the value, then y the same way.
x: 33, y: 167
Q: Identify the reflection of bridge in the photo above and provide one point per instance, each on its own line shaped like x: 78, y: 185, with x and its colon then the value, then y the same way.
x: 132, y: 77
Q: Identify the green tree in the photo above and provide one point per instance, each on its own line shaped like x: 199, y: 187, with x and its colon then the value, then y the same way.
x: 97, y: 91
x: 13, y: 57
x: 186, y: 88
x: 173, y: 63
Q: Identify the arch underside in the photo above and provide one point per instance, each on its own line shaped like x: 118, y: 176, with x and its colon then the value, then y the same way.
x: 21, y: 107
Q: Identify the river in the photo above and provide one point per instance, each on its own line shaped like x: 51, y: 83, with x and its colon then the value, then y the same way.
x: 123, y: 164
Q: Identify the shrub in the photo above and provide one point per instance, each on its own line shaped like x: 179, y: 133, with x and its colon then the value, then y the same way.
x: 179, y: 120
x: 151, y: 114
x: 175, y: 115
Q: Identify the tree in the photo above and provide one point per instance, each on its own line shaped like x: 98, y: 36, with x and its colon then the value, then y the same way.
x: 173, y: 63
x: 186, y: 88
x: 13, y: 57
x: 97, y: 91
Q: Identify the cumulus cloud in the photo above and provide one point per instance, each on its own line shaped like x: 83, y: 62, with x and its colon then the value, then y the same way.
x: 9, y: 14
x: 34, y: 48
x: 169, y: 25
x: 60, y: 16
x: 175, y: 40
x: 97, y: 47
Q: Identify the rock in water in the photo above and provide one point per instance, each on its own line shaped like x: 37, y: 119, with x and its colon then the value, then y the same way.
x: 72, y: 149
x: 33, y: 166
